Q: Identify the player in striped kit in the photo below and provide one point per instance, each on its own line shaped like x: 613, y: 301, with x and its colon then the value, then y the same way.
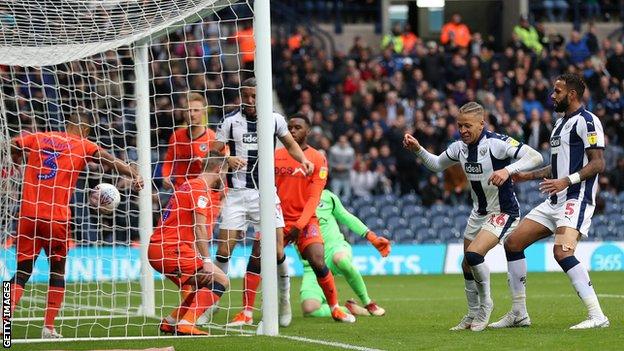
x: 577, y: 144
x: 242, y: 203
x: 486, y: 159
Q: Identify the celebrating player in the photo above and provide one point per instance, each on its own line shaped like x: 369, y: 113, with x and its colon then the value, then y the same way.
x: 486, y: 159
x: 242, y: 204
x: 179, y: 249
x: 338, y: 258
x: 577, y: 143
x: 54, y: 160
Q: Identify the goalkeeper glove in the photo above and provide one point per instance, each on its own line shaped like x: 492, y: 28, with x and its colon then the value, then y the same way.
x: 379, y: 242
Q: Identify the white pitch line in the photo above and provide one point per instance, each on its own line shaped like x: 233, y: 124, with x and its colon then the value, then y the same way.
x: 328, y: 343
x: 68, y: 318
x: 611, y: 295
x: 82, y: 307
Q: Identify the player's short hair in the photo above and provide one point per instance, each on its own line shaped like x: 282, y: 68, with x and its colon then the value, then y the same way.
x: 214, y: 161
x: 302, y: 116
x: 79, y: 118
x: 472, y: 108
x: 196, y: 97
x: 573, y: 82
x: 249, y: 83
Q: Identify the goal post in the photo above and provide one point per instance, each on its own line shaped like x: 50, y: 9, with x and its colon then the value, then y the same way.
x: 131, y: 65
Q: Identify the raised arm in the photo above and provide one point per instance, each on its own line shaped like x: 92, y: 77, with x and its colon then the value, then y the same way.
x: 432, y: 162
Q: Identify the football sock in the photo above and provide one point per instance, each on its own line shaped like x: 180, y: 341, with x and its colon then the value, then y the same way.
x: 282, y: 274
x: 481, y: 273
x: 582, y: 284
x: 472, y: 295
x: 250, y: 288
x: 516, y: 274
x: 204, y: 298
x: 55, y: 299
x: 325, y: 279
x: 324, y: 311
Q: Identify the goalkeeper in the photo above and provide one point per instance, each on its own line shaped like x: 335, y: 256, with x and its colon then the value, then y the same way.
x: 338, y: 258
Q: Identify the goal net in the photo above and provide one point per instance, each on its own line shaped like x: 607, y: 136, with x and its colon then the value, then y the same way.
x: 58, y: 57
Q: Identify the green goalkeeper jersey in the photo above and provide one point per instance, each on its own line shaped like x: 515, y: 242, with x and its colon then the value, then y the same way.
x: 330, y: 211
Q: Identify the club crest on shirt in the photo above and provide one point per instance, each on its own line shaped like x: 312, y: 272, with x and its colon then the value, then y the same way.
x: 202, y: 202
x: 203, y: 147
x: 592, y: 138
x: 323, y: 172
x: 483, y: 151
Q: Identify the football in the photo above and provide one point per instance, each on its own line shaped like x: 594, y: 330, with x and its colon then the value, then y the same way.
x: 105, y: 197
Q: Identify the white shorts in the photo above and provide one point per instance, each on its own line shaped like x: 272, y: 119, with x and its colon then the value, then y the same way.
x: 242, y: 207
x: 572, y: 213
x: 499, y: 224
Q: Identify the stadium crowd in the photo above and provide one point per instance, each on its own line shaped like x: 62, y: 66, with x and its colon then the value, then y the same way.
x: 361, y: 102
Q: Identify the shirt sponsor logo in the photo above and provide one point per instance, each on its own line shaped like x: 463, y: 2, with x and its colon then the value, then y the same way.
x: 555, y: 141
x: 473, y: 168
x: 250, y: 138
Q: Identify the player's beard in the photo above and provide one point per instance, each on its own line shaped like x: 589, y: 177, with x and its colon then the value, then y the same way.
x: 563, y: 105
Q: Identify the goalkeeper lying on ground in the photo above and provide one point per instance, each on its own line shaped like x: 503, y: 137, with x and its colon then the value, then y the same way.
x: 339, y: 259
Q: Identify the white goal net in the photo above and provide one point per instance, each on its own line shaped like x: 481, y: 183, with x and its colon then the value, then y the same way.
x: 60, y: 57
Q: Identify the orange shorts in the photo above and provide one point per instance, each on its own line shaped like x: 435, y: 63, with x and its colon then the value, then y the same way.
x: 311, y: 234
x: 178, y: 262
x: 47, y: 234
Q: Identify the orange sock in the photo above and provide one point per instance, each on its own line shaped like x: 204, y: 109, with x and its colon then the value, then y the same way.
x: 204, y: 298
x: 252, y: 281
x: 181, y: 311
x: 329, y: 288
x: 185, y: 291
x: 55, y: 300
x: 17, y: 291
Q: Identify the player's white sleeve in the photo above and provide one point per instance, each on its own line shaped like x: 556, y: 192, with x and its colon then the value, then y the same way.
x: 281, y: 127
x: 529, y: 158
x: 590, y: 130
x: 440, y: 162
x: 223, y: 129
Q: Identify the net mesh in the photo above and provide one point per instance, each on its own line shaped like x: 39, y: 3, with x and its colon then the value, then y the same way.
x: 60, y: 56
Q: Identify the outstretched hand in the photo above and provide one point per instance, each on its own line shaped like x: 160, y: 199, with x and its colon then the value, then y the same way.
x: 380, y: 243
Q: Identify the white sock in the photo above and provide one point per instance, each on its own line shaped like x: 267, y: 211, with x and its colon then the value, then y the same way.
x: 283, y: 277
x: 224, y: 266
x: 516, y: 273
x: 582, y: 284
x: 472, y: 296
x: 481, y: 274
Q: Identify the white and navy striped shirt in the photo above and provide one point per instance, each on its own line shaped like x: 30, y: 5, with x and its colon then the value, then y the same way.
x: 571, y: 136
x: 239, y: 133
x: 491, y: 152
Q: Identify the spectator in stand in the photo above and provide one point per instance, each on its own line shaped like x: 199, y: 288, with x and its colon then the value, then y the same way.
x: 536, y: 132
x: 528, y: 35
x: 615, y: 62
x: 530, y: 104
x: 432, y: 192
x: 247, y: 46
x: 409, y: 40
x: 615, y: 176
x: 393, y: 40
x: 591, y: 39
x: 455, y: 33
x: 559, y: 6
x: 341, y: 161
x: 577, y: 48
x: 592, y: 8
x: 613, y: 103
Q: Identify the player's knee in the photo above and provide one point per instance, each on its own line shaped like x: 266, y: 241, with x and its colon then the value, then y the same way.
x: 559, y: 254
x: 222, y: 281
x: 465, y: 266
x: 512, y: 245
x: 473, y: 258
x: 343, y: 264
x: 309, y: 306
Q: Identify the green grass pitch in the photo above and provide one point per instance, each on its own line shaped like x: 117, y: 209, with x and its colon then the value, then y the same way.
x: 420, y: 309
